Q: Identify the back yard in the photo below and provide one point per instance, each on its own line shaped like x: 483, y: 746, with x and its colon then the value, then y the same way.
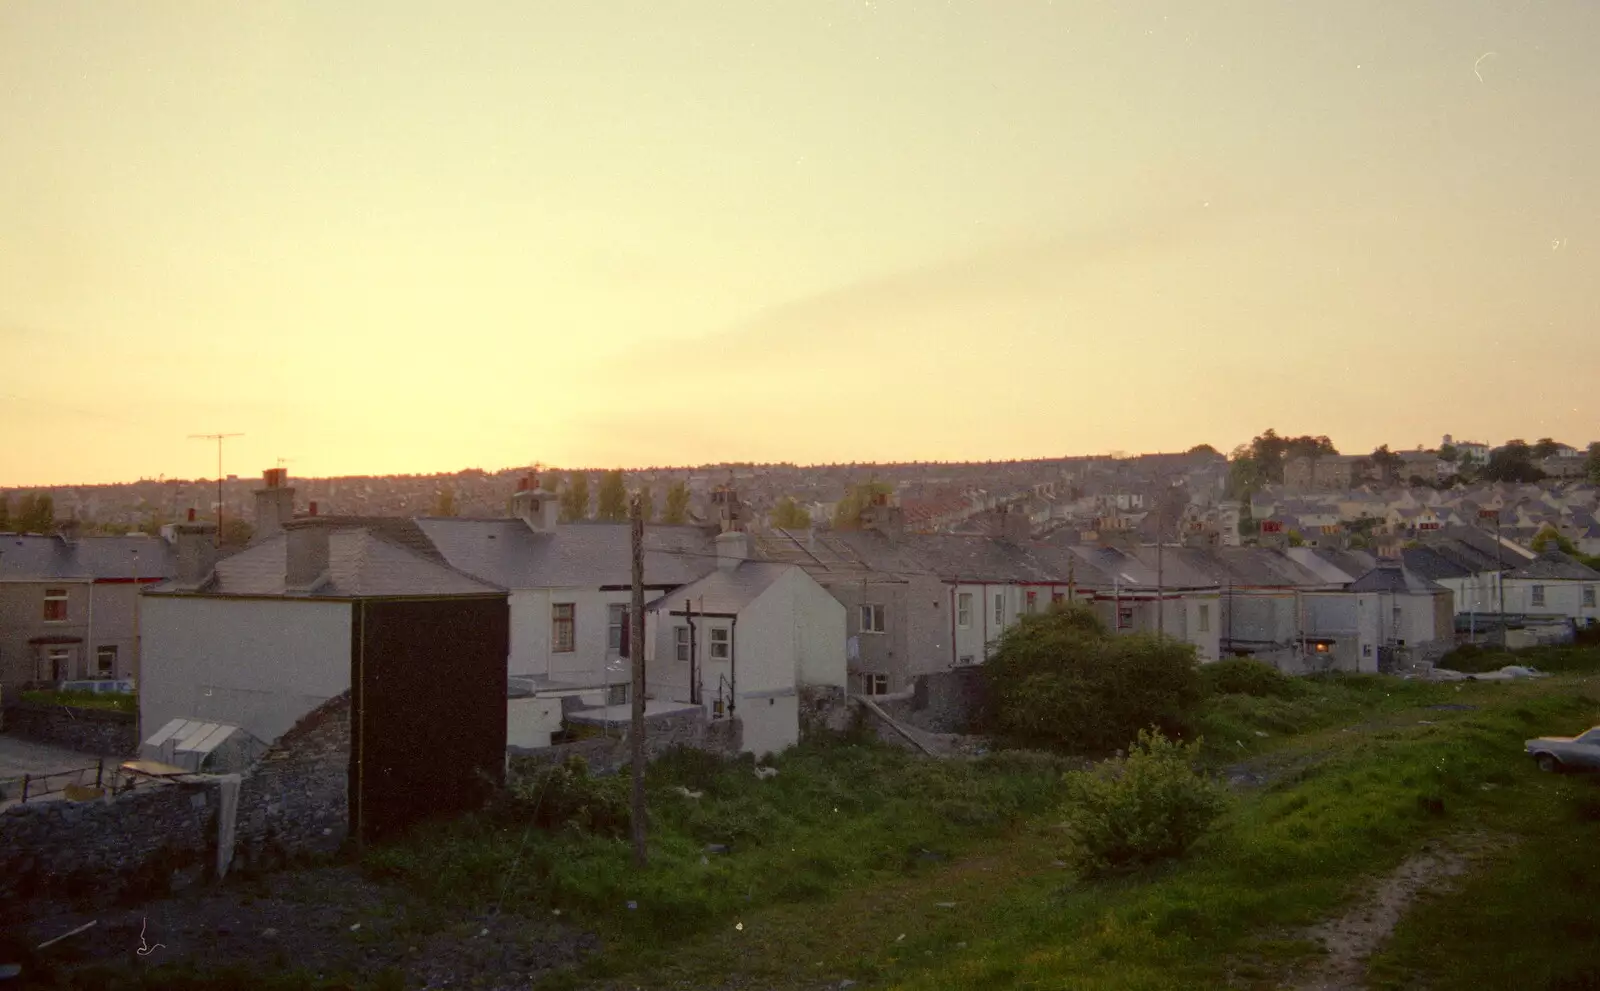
x: 1364, y: 805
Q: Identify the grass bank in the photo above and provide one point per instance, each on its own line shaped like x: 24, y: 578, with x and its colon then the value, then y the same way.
x: 114, y: 701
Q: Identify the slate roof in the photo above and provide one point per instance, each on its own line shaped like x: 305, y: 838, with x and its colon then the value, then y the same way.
x: 35, y: 557
x: 1431, y: 564
x: 361, y: 564
x: 725, y: 590
x: 1553, y: 565
x: 1392, y: 576
x: 576, y: 555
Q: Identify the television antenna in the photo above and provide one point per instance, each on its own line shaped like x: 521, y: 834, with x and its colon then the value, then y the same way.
x: 219, y: 438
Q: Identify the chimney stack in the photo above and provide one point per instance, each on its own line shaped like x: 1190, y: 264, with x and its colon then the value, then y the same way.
x: 733, y: 548
x: 196, y: 548
x: 731, y: 514
x: 274, y: 503
x: 1010, y: 523
x: 312, y: 508
x: 306, y: 560
x: 879, y: 515
x: 539, y: 509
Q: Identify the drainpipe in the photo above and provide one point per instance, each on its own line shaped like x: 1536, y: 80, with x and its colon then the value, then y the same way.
x: 955, y: 657
x: 88, y: 636
x: 695, y: 688
x: 733, y: 666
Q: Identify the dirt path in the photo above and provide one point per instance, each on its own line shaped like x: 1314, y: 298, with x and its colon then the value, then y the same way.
x: 1353, y: 938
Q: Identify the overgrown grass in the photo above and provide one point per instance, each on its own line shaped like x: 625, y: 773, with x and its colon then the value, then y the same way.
x: 1553, y: 659
x: 1534, y: 903
x: 1231, y: 914
x: 832, y: 817
x: 115, y: 701
x: 1236, y: 725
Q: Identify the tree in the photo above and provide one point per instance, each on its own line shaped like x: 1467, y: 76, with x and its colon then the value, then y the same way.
x: 788, y: 515
x: 1449, y: 452
x: 647, y: 504
x: 5, y: 512
x: 445, y: 505
x: 1204, y: 449
x: 612, y: 499
x: 677, y: 504
x: 575, y: 498
x: 1060, y: 679
x: 1387, y: 464
x: 1545, y: 447
x: 550, y: 482
x: 847, y: 514
x: 1593, y: 464
x: 1512, y: 463
x: 1549, y: 535
x: 236, y: 532
x: 35, y: 513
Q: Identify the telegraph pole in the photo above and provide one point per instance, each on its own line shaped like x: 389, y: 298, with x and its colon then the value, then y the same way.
x: 636, y: 648
x: 219, y: 438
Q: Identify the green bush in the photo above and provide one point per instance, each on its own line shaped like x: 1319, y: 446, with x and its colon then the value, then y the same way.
x: 1060, y: 680
x: 566, y: 796
x: 115, y: 701
x: 1243, y: 676
x: 1149, y: 806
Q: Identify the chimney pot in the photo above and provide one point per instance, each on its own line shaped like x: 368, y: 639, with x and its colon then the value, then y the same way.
x: 191, y: 514
x: 313, y: 509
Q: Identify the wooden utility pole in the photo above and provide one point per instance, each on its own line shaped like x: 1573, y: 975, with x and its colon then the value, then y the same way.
x: 636, y: 649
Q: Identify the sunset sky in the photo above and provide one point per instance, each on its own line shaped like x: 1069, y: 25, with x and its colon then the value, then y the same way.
x: 417, y: 237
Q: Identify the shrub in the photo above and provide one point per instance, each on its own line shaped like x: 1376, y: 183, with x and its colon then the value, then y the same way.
x: 1242, y: 676
x: 565, y: 795
x: 1060, y: 680
x: 1149, y: 806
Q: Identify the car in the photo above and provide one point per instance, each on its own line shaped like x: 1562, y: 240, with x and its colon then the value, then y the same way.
x: 1557, y: 753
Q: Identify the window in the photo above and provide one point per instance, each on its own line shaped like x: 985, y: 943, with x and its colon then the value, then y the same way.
x: 999, y: 609
x: 105, y: 662
x: 617, y: 695
x: 1538, y: 595
x: 1366, y: 650
x: 721, y: 643
x: 616, y: 623
x: 563, y: 627
x: 1056, y: 597
x: 59, y: 660
x: 1032, y: 602
x: 55, y: 605
x: 966, y: 661
x: 1124, y: 617
x: 875, y: 684
x: 1588, y: 596
x: 1205, y: 618
x: 964, y: 610
x: 1397, y: 617
x: 871, y: 619
x: 680, y: 636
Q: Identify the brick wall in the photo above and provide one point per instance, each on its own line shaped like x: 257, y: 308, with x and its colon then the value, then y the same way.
x: 101, y: 732
x: 296, y: 799
x: 607, y: 754
x: 154, y: 838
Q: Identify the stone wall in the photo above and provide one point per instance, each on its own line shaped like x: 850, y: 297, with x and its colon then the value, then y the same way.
x: 159, y: 836
x: 102, y: 732
x: 151, y: 839
x: 296, y: 799
x: 823, y: 709
x: 612, y: 752
x: 941, y: 702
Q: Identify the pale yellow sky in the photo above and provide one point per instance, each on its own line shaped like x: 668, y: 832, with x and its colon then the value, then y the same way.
x: 416, y: 237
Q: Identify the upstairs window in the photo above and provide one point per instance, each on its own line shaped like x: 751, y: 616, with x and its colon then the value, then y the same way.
x: 1538, y: 595
x: 616, y: 623
x: 999, y: 609
x: 964, y: 610
x: 681, y: 641
x: 563, y: 627
x: 1588, y: 596
x: 1205, y: 618
x: 1032, y: 602
x: 721, y: 643
x: 55, y: 605
x: 872, y: 619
